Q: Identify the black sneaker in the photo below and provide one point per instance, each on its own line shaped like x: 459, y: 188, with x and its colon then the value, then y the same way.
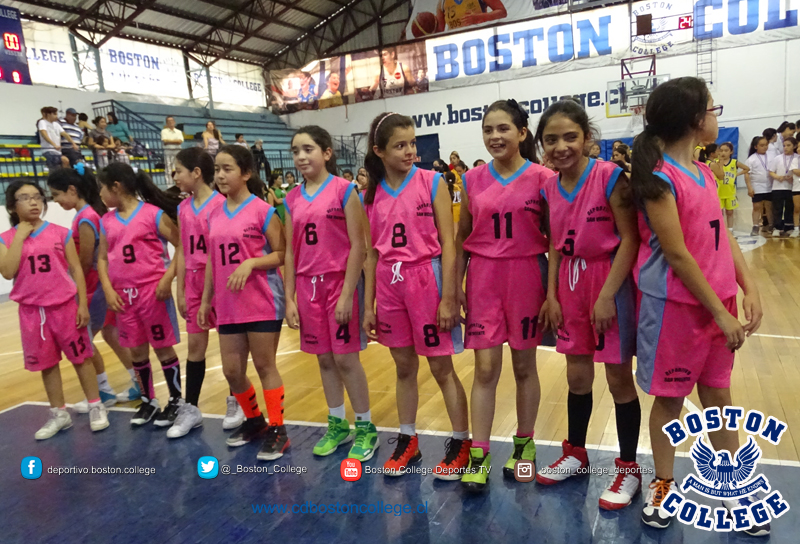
x: 146, y: 412
x: 250, y: 430
x: 167, y: 417
x: 276, y: 442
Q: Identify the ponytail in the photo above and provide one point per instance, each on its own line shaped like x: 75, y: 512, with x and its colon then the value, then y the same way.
x: 85, y: 185
x: 197, y: 157
x: 674, y: 109
x: 380, y: 132
x: 139, y: 183
x: 754, y: 144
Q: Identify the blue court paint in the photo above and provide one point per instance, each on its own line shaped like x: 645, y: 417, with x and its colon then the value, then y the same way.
x: 175, y: 505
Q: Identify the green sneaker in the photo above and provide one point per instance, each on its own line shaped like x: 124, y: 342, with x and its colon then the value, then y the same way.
x: 476, y: 475
x: 338, y: 433
x: 524, y: 448
x: 366, y: 441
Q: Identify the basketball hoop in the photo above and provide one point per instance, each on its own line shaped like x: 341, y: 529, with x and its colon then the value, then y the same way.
x: 637, y: 118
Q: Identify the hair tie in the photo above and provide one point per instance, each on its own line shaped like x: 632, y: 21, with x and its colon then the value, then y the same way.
x: 651, y: 130
x: 514, y: 104
x: 385, y: 117
x: 79, y: 168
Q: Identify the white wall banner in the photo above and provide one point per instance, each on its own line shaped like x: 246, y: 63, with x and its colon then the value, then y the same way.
x: 130, y: 66
x: 602, y: 37
x: 237, y: 83
x: 49, y: 54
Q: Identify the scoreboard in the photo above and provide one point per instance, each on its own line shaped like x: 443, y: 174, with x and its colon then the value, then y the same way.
x: 13, y: 58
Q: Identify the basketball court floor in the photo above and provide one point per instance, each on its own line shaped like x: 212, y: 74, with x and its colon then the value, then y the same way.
x: 166, y: 500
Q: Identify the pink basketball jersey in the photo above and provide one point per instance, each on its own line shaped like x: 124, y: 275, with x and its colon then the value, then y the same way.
x: 193, y: 222
x: 43, y: 277
x: 506, y: 212
x: 402, y: 222
x: 236, y: 236
x: 319, y: 229
x: 92, y: 218
x: 581, y: 222
x: 704, y: 233
x: 137, y: 254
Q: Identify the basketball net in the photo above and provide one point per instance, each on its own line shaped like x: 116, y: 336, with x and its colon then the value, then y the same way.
x: 637, y: 119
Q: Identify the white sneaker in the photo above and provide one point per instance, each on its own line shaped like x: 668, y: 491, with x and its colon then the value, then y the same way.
x: 98, y: 417
x: 625, y: 486
x: 795, y: 233
x: 131, y: 394
x: 652, y: 513
x: 234, y: 415
x: 81, y: 407
x: 753, y: 530
x: 189, y: 417
x: 776, y: 233
x: 574, y: 460
x: 59, y: 419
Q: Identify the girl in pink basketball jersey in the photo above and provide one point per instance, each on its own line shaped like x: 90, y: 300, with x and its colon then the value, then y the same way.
x: 136, y: 274
x: 74, y: 190
x: 194, y: 174
x: 410, y: 274
x: 325, y: 225
x: 40, y: 257
x: 688, y: 267
x: 501, y: 249
x: 243, y: 284
x: 591, y: 295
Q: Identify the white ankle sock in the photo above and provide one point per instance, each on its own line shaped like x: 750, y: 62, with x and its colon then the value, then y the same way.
x: 132, y: 372
x: 366, y: 416
x: 410, y: 430
x: 461, y: 436
x: 337, y: 412
x: 102, y: 383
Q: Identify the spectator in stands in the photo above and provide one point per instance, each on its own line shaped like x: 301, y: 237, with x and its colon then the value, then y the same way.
x: 594, y: 151
x: 616, y: 144
x: 69, y: 155
x: 363, y: 171
x: 102, y: 142
x: 261, y: 159
x: 275, y: 196
x: 172, y: 138
x: 621, y: 156
x: 212, y: 139
x: 478, y: 163
x: 83, y: 122
x: 119, y: 129
x: 240, y: 141
x: 348, y: 175
x: 331, y: 97
x: 454, y: 158
x: 291, y: 181
x: 50, y: 135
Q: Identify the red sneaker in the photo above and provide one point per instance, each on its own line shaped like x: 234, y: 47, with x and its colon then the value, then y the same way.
x: 456, y: 459
x: 573, y: 461
x: 406, y: 452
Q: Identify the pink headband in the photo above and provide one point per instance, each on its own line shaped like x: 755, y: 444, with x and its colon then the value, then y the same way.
x: 375, y: 134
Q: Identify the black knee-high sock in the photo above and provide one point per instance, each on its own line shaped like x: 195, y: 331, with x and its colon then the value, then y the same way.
x: 172, y: 373
x: 629, y: 418
x: 144, y: 375
x: 195, y: 373
x: 579, y: 411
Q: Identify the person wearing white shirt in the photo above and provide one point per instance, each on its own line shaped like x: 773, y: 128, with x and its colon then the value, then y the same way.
x: 781, y: 171
x: 760, y: 186
x: 172, y: 138
x: 50, y: 135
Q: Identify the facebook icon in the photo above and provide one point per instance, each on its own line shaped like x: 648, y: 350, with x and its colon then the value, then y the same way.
x: 31, y: 468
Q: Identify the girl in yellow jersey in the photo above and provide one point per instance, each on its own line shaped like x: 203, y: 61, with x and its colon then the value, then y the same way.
x: 731, y: 169
x: 453, y: 14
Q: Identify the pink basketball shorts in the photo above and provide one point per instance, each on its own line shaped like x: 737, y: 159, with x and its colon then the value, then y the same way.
x: 146, y: 320
x: 50, y: 330
x: 193, y: 290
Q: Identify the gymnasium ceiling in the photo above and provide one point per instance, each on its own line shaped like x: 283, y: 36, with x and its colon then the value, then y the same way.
x: 273, y: 33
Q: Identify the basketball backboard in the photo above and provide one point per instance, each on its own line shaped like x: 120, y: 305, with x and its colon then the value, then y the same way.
x: 624, y: 95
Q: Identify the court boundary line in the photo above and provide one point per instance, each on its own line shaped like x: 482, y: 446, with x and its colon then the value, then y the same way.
x: 506, y: 439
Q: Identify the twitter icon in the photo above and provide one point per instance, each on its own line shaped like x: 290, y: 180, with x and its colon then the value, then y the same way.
x: 207, y: 467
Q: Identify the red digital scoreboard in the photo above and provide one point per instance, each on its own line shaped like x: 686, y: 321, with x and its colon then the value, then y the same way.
x: 13, y: 58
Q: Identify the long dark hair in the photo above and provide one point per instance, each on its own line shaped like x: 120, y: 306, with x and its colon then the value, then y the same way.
x: 527, y: 148
x: 113, y: 116
x: 674, y: 109
x: 380, y: 132
x: 216, y: 131
x: 11, y: 198
x: 85, y: 185
x: 196, y: 157
x: 573, y: 111
x: 754, y: 143
x: 139, y: 183
x: 707, y: 151
x: 244, y: 160
x: 323, y: 139
x: 769, y: 133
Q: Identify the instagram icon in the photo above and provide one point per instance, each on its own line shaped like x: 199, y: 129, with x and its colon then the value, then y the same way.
x: 523, y: 471
x: 350, y: 470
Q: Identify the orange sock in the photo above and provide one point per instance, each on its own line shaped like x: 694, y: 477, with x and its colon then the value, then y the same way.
x: 274, y: 399
x: 248, y: 402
